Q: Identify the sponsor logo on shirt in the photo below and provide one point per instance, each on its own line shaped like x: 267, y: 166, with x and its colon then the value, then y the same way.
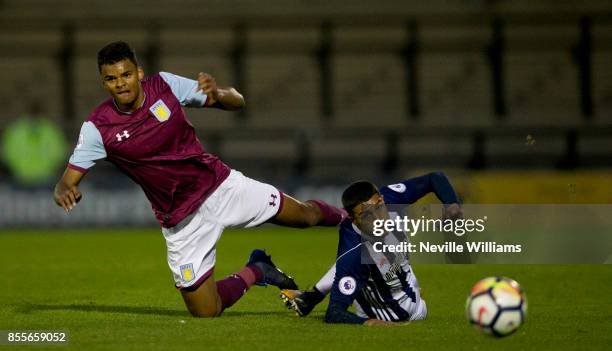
x: 160, y: 111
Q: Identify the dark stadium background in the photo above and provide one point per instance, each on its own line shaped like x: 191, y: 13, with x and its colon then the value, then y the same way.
x: 491, y: 92
x: 511, y: 99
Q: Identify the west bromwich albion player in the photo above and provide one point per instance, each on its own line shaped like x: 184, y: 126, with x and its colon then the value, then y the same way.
x: 142, y: 129
x: 382, y: 287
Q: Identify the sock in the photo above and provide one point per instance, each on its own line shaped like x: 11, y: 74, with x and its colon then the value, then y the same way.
x: 324, y: 285
x: 315, y: 296
x: 332, y: 216
x: 250, y: 274
x: 233, y: 287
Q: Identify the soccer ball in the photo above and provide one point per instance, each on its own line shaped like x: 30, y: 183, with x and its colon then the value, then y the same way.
x: 496, y: 306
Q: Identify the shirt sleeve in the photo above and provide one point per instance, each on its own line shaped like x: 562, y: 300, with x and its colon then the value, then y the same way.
x: 89, y: 148
x: 351, y: 276
x: 185, y: 90
x: 411, y: 190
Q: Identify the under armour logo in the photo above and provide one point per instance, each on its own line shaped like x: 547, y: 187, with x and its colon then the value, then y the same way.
x: 124, y: 135
x: 273, y: 202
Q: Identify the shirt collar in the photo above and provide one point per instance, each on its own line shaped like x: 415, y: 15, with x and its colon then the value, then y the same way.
x: 129, y: 113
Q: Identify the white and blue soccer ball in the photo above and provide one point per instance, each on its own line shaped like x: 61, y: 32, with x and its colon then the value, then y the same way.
x: 497, y: 306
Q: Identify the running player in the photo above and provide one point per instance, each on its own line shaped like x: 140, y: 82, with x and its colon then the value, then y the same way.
x: 383, y: 288
x: 142, y: 129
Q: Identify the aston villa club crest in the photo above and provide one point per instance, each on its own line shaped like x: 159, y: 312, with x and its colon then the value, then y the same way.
x: 160, y: 111
x: 187, y: 273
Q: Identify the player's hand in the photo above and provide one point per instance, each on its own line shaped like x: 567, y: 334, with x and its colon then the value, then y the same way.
x: 453, y: 211
x: 66, y: 197
x: 378, y: 322
x: 208, y: 85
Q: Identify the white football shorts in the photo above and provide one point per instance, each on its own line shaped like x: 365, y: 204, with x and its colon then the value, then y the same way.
x: 238, y: 202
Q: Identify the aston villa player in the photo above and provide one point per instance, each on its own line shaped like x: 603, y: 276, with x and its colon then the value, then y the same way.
x: 143, y: 130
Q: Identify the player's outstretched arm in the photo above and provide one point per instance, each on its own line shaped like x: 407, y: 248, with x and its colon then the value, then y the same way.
x: 66, y: 193
x: 226, y: 98
x: 436, y: 182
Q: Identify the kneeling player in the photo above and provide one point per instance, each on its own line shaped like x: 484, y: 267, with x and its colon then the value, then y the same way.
x: 143, y: 129
x: 382, y: 286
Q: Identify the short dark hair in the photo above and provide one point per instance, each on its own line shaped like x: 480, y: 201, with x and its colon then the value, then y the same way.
x: 357, y: 193
x: 115, y: 52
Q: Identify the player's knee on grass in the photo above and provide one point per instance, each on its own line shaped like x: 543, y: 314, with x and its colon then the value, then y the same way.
x: 204, y: 313
x: 206, y: 309
x: 203, y: 302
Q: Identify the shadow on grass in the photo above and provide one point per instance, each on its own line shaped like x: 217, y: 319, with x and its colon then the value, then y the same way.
x: 29, y: 308
x: 101, y: 308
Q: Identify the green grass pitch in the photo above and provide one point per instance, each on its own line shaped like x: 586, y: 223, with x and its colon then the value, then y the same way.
x: 111, y: 289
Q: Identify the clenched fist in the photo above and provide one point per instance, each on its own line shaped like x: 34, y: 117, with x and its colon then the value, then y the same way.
x: 208, y: 85
x: 66, y: 197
